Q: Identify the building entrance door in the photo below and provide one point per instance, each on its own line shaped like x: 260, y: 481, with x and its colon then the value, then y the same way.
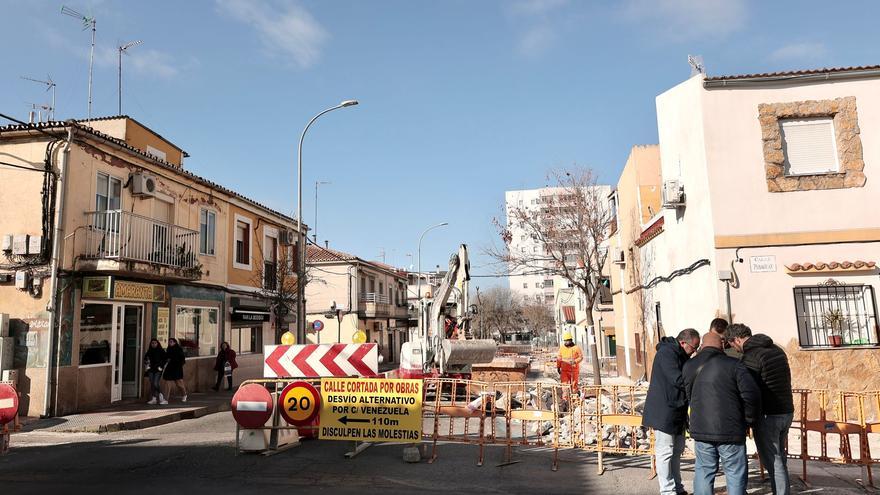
x: 125, y: 351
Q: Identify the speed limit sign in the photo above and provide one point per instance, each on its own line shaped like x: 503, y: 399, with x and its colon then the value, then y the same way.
x: 299, y: 403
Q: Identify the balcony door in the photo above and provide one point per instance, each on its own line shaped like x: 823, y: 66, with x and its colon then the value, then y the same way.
x: 108, y: 206
x: 163, y: 248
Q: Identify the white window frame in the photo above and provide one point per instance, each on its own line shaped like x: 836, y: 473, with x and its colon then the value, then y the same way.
x: 808, y: 121
x: 109, y: 178
x: 250, y: 223
x: 213, y: 237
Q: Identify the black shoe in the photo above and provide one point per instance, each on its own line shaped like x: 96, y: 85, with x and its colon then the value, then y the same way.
x: 215, y: 389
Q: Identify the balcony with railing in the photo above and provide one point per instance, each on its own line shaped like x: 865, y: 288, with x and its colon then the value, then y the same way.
x: 375, y: 305
x: 124, y: 242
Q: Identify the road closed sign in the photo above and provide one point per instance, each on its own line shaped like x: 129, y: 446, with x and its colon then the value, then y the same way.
x: 371, y: 410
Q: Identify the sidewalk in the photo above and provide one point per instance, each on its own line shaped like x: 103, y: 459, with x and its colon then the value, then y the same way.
x: 133, y: 415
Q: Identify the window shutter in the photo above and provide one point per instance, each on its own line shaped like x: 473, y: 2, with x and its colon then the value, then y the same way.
x: 809, y: 146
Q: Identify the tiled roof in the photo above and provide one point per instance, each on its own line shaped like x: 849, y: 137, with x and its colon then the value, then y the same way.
x: 651, y: 232
x: 794, y: 73
x: 316, y: 254
x: 45, y: 126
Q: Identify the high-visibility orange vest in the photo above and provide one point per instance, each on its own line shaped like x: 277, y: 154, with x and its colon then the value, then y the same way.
x: 568, y: 356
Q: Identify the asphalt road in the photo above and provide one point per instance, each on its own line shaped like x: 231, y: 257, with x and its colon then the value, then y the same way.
x: 197, y: 456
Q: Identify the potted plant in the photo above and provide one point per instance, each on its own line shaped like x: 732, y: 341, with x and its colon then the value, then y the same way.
x: 834, y: 318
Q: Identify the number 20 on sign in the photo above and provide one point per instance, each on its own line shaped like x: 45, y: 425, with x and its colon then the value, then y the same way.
x: 299, y: 403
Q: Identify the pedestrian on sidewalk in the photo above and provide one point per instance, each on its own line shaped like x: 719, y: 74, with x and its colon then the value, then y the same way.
x: 568, y: 362
x: 154, y: 363
x: 724, y: 401
x: 666, y: 407
x: 768, y: 364
x: 223, y: 365
x: 174, y: 369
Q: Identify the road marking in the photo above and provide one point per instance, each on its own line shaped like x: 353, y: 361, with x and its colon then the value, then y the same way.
x: 246, y: 405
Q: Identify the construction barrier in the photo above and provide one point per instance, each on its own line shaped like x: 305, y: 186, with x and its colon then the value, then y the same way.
x: 280, y: 434
x: 835, y: 427
x: 499, y: 414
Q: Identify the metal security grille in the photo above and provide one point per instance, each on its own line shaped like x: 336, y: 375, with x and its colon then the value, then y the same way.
x: 836, y: 315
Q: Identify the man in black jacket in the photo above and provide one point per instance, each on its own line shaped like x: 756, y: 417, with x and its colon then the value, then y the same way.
x: 724, y: 401
x: 666, y: 407
x: 768, y: 364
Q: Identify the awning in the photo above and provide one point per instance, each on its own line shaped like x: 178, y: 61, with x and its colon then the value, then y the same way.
x: 568, y: 313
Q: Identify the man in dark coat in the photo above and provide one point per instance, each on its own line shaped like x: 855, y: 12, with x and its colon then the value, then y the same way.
x: 666, y: 407
x: 768, y: 364
x: 724, y: 401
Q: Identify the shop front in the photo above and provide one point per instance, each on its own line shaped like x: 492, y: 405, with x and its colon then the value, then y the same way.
x: 249, y: 328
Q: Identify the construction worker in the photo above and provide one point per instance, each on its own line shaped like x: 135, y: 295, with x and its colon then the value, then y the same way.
x: 568, y: 362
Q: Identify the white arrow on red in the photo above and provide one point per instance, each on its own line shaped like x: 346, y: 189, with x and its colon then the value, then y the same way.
x: 317, y: 360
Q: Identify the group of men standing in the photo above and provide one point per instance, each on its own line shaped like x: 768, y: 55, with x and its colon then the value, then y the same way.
x: 716, y: 390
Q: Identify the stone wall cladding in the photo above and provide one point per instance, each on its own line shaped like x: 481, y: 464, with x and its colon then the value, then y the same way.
x: 834, y: 369
x: 849, y: 144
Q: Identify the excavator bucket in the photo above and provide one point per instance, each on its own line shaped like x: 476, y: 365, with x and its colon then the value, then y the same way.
x: 466, y: 352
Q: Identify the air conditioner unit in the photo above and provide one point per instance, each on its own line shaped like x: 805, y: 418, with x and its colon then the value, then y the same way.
x: 617, y: 256
x: 143, y: 184
x: 673, y: 194
x: 287, y: 237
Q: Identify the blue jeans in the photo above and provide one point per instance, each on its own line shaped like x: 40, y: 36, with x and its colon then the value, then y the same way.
x: 668, y: 449
x: 771, y: 434
x: 733, y: 458
x: 154, y: 377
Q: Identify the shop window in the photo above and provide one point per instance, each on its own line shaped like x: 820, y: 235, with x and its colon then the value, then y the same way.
x: 836, y: 315
x: 196, y: 330
x: 247, y: 340
x: 95, y: 333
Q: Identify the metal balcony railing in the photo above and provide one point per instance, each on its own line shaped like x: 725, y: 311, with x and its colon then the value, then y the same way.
x: 124, y: 236
x: 374, y: 297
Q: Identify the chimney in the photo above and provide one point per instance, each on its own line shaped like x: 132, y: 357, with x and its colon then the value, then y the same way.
x: 326, y: 244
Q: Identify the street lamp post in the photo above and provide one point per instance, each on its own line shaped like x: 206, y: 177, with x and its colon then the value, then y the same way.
x: 301, y: 269
x: 419, y: 284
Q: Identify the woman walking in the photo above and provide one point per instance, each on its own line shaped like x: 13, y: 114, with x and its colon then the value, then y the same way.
x: 174, y: 369
x: 154, y: 363
x: 223, y: 365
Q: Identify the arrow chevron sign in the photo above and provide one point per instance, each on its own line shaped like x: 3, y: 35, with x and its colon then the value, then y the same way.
x: 317, y: 360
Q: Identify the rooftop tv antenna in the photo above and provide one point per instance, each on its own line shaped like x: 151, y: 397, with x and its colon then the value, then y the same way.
x: 124, y: 49
x: 87, y: 22
x: 50, y: 84
x: 696, y: 63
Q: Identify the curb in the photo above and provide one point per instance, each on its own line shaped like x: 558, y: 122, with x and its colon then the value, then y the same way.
x: 150, y: 422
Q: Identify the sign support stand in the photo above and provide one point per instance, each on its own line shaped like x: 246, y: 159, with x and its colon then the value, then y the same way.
x: 358, y: 448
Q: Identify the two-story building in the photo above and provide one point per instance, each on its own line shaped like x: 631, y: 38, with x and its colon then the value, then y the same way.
x: 108, y: 242
x: 767, y: 181
x: 347, y: 294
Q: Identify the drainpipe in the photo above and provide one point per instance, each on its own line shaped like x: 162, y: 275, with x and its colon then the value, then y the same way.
x: 57, y: 240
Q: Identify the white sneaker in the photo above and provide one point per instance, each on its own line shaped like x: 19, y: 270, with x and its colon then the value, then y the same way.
x: 153, y: 402
x: 161, y: 397
x: 163, y: 402
x: 183, y: 399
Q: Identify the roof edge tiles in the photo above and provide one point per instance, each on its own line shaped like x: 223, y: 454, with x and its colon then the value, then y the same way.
x: 55, y: 125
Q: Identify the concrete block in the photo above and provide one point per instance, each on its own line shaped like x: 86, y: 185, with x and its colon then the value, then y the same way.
x: 412, y: 454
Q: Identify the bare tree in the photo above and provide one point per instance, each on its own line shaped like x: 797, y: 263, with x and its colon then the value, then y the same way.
x: 500, y: 310
x: 278, y: 287
x: 538, y: 317
x: 571, y: 224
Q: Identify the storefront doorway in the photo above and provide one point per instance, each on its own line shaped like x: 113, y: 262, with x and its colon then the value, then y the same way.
x: 112, y: 334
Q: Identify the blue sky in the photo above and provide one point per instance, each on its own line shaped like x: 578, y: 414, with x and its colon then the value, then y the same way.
x: 460, y: 100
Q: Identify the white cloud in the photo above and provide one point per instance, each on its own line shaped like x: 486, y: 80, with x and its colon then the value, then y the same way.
x: 539, y: 24
x: 154, y: 62
x: 537, y: 39
x: 689, y: 19
x: 288, y: 31
x: 804, y: 51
